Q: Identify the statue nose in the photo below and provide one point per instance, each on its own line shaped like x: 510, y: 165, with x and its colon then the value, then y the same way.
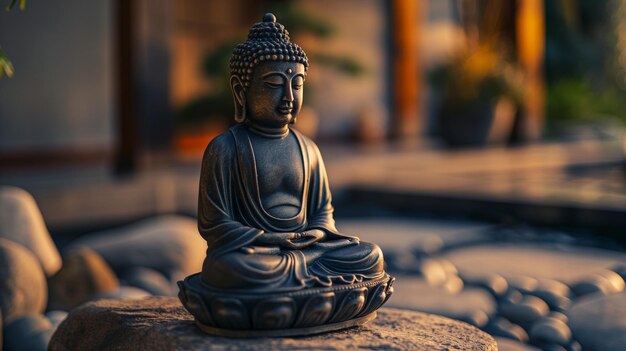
x: 288, y: 96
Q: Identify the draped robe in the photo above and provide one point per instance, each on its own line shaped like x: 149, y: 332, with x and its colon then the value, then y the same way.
x: 231, y: 216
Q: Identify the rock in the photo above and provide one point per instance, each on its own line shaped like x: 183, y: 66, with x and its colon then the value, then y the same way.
x: 23, y: 288
x: 505, y: 344
x: 550, y: 331
x: 552, y: 286
x: 620, y: 269
x: 603, y: 282
x: 161, y: 323
x: 477, y: 318
x: 594, y: 284
x: 149, y: 280
x: 432, y: 271
x: 124, y: 293
x: 554, y: 293
x: 21, y: 222
x: 453, y: 285
x: 504, y: 328
x: 448, y: 266
x: 492, y: 282
x: 574, y: 346
x: 83, y: 276
x: 616, y: 281
x: 523, y: 284
x: 599, y: 322
x: 474, y: 306
x: 560, y: 304
x: 168, y: 244
x: 526, y: 312
x: 29, y: 332
x: 558, y: 315
x: 512, y: 297
x: 56, y: 317
x: 551, y: 347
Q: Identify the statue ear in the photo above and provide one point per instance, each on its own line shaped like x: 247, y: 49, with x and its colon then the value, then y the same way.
x: 239, y: 98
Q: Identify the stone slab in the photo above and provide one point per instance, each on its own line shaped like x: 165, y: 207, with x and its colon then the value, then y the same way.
x: 599, y: 322
x: 161, y: 323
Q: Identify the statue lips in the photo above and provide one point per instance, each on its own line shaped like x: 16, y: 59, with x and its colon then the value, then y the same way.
x: 285, y: 109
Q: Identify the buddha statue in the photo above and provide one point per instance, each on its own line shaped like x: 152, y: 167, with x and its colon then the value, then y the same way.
x: 276, y: 264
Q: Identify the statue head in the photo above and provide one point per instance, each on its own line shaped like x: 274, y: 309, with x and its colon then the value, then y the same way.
x: 267, y: 75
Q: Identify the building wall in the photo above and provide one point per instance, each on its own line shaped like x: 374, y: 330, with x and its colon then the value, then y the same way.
x: 61, y: 94
x: 361, y: 33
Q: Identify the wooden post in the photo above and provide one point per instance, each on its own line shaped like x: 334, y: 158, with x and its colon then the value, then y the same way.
x: 125, y: 151
x: 530, y: 45
x: 405, y: 65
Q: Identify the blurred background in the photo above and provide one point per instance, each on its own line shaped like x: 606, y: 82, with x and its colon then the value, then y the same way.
x: 487, y: 134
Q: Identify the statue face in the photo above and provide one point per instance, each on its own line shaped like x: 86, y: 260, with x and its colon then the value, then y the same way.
x: 274, y: 96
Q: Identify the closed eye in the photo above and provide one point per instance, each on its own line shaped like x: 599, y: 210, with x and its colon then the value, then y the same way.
x: 273, y: 85
x: 297, y: 82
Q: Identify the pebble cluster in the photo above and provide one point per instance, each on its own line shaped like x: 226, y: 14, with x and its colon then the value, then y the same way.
x: 37, y: 290
x: 267, y: 41
x: 529, y: 313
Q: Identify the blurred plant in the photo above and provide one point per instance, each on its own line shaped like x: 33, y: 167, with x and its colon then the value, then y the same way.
x: 484, y: 75
x: 485, y: 70
x: 474, y: 82
x: 576, y: 99
x: 585, y: 60
x: 11, y: 5
x: 6, y: 66
x: 217, y: 106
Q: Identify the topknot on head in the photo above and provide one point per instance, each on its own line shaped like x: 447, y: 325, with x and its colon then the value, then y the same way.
x: 269, y: 17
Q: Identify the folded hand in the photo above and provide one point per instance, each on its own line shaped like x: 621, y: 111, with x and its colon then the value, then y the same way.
x: 293, y: 241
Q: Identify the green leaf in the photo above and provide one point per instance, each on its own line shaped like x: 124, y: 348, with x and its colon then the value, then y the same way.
x: 216, y: 64
x: 5, y: 65
x: 11, y: 5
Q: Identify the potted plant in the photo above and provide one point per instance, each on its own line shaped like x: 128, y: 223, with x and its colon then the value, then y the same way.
x: 478, y: 93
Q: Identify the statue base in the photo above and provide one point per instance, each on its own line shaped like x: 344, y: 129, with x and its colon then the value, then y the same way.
x: 291, y: 313
x: 233, y: 333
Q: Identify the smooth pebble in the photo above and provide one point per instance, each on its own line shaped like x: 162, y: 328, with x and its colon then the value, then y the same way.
x: 23, y: 289
x: 492, y: 282
x: 83, y: 276
x: 21, y: 221
x: 28, y: 332
x: 550, y: 331
x: 149, y: 280
x: 504, y: 328
x: 526, y: 312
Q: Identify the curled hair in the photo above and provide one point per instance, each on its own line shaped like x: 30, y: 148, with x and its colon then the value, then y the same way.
x: 267, y: 41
